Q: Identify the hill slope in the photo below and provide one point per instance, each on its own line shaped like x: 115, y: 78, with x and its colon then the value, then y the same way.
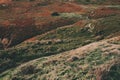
x: 99, y: 62
x: 59, y: 39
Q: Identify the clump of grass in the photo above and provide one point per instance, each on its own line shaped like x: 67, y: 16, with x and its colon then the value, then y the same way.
x: 108, y: 26
x: 113, y: 73
x: 70, y: 15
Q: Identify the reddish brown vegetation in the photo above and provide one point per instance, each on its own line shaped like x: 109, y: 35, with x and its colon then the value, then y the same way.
x: 31, y: 39
x: 16, y: 31
x: 80, y: 23
x: 5, y: 1
x: 65, y: 7
x: 23, y: 22
x: 19, y: 30
x: 46, y: 11
x: 103, y: 12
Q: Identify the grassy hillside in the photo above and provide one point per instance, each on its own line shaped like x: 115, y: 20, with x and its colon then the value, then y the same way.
x: 37, y: 19
x: 99, y: 62
x: 57, y: 40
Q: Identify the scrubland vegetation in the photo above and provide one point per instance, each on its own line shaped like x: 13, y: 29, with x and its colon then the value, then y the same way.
x: 77, y: 40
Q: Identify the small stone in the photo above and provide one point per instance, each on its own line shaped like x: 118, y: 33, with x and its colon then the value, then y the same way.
x: 73, y: 58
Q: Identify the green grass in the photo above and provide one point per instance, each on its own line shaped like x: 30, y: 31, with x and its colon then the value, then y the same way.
x: 71, y: 39
x: 108, y: 25
x: 62, y: 68
x: 71, y: 15
x: 113, y: 73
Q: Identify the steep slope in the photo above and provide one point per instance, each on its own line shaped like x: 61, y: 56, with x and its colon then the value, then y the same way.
x: 98, y: 62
